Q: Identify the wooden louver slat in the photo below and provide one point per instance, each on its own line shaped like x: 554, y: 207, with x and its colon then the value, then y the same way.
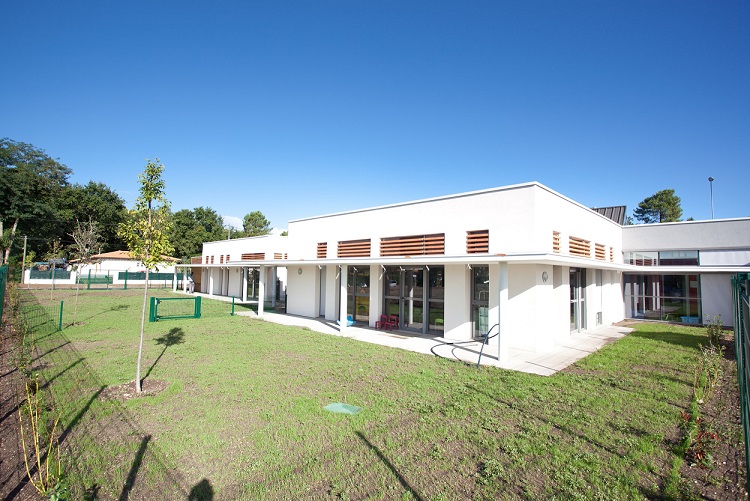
x: 600, y: 251
x: 212, y: 260
x: 221, y: 259
x: 579, y: 247
x: 556, y: 241
x: 415, y: 245
x: 253, y: 256
x: 354, y: 248
x: 477, y: 241
x: 322, y: 250
x: 611, y: 254
x: 279, y: 255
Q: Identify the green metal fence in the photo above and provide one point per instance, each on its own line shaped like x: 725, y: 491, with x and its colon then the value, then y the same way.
x: 741, y: 303
x: 3, y: 281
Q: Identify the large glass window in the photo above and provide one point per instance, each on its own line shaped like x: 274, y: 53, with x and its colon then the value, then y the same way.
x: 408, y: 290
x: 480, y: 300
x: 674, y: 298
x: 436, y: 296
x: 663, y: 258
x: 253, y: 277
x: 358, y: 293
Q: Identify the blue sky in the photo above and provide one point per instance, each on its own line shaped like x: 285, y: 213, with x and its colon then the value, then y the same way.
x: 300, y: 108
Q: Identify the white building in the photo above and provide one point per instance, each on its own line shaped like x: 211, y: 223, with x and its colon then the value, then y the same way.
x: 522, y: 260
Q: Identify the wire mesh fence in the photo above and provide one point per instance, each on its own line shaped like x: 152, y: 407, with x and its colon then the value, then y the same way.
x: 104, y: 451
x: 741, y: 303
x: 3, y: 281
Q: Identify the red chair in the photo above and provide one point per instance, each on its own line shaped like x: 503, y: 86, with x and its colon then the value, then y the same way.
x: 392, y: 322
x: 380, y: 324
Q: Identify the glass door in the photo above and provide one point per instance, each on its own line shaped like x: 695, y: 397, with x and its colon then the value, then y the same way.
x: 412, y: 299
x: 577, y: 299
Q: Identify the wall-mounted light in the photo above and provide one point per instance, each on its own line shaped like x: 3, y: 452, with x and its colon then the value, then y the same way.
x: 299, y: 271
x: 545, y: 276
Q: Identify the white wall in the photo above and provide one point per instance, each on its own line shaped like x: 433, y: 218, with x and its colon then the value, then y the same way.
x: 716, y: 296
x: 457, y: 302
x: 302, y: 291
x: 689, y: 235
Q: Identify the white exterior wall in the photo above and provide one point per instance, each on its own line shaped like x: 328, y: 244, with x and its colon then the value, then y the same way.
x: 302, y: 291
x: 457, y: 302
x: 716, y: 295
x: 689, y: 235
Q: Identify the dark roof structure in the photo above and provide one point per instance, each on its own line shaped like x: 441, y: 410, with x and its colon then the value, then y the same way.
x: 616, y: 213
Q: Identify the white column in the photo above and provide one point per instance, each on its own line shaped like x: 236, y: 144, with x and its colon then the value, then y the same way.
x: 502, y: 313
x: 174, y: 280
x: 261, y: 289
x: 185, y: 272
x: 210, y: 281
x: 244, y: 284
x: 342, y: 296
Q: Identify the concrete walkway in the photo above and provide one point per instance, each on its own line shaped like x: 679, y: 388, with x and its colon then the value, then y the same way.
x: 564, y: 354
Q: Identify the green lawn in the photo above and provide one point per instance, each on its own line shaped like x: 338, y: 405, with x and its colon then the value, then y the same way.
x: 242, y: 413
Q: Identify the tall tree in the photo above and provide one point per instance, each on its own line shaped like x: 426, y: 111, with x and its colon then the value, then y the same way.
x: 256, y: 224
x: 191, y: 228
x: 146, y: 234
x: 30, y: 181
x: 98, y: 202
x: 661, y: 207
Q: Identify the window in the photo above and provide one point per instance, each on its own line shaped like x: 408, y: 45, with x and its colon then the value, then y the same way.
x: 477, y: 242
x: 674, y: 298
x: 663, y: 258
x: 354, y: 248
x: 358, y: 293
x: 415, y: 245
x: 253, y: 256
x: 480, y: 300
x: 579, y: 247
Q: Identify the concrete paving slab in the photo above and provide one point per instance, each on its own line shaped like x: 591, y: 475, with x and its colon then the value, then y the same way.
x: 547, y: 363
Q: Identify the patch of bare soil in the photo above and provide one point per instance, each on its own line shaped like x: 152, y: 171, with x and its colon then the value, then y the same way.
x: 14, y: 483
x: 149, y: 387
x: 716, y: 465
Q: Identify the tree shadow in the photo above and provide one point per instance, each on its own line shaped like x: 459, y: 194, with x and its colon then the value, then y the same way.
x: 130, y: 481
x: 404, y: 483
x: 202, y: 491
x: 175, y: 336
x: 676, y: 338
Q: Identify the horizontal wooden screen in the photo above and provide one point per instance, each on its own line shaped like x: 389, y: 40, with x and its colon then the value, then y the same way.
x: 212, y: 260
x: 612, y: 254
x: 600, y: 251
x: 579, y: 247
x: 478, y: 241
x: 279, y: 255
x: 254, y: 256
x: 556, y: 241
x: 322, y: 250
x: 226, y: 258
x: 354, y: 248
x: 221, y: 259
x: 415, y: 245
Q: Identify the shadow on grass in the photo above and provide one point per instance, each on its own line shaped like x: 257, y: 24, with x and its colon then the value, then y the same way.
x: 133, y: 473
x: 390, y: 466
x: 676, y: 338
x: 202, y: 491
x: 175, y: 336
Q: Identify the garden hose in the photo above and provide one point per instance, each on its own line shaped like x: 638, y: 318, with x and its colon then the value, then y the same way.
x: 485, y: 341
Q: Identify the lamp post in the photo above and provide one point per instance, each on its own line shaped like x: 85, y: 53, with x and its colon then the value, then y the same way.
x: 711, y: 189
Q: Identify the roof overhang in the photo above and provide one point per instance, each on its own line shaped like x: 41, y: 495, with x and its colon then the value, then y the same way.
x: 483, y: 259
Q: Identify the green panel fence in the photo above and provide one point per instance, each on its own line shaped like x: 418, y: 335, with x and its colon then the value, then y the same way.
x: 741, y: 303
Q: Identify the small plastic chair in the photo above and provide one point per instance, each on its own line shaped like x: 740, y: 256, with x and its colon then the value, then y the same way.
x: 380, y: 324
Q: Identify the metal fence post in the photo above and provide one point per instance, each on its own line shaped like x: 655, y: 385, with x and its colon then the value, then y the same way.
x: 59, y: 324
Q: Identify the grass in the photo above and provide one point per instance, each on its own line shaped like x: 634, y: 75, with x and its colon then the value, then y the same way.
x: 242, y: 413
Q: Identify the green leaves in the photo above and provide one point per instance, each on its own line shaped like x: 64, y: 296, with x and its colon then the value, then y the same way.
x: 146, y: 229
x: 661, y: 207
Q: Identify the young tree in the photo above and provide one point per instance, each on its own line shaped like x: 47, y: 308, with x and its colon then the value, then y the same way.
x: 146, y: 234
x: 86, y: 242
x: 256, y: 224
x: 661, y: 207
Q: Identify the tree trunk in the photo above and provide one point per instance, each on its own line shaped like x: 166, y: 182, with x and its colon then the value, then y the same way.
x: 140, y: 344
x: 10, y: 242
